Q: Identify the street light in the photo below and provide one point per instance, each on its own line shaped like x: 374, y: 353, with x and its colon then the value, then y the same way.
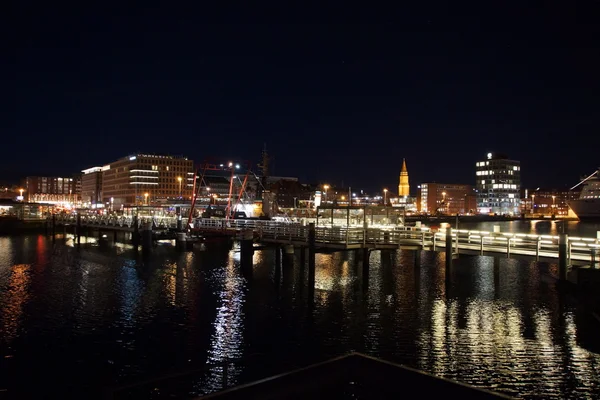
x: 325, y: 187
x: 146, y: 198
x: 532, y: 203
x: 553, y: 204
x: 179, y: 179
x: 385, y: 197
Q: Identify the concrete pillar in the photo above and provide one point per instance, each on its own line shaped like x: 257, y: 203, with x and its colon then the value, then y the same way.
x: 563, y: 262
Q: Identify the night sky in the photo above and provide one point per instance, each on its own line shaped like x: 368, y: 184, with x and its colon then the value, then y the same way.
x: 336, y: 94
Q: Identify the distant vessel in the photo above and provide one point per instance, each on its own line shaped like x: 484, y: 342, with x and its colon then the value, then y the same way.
x: 588, y: 205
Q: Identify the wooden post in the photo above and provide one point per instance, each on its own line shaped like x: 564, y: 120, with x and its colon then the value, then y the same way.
x: 311, y: 253
x: 246, y: 251
x: 311, y: 263
x: 563, y: 242
x: 78, y: 228
x: 135, y: 236
x: 448, y: 249
x: 365, y: 265
x: 348, y: 216
x: 457, y: 233
x: 302, y: 257
x: 147, y: 236
x: 277, y: 257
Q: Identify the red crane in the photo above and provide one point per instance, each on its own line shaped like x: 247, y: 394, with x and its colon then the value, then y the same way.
x: 215, y: 166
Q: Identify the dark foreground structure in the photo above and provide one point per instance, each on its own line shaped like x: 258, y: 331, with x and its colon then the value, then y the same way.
x: 354, y: 376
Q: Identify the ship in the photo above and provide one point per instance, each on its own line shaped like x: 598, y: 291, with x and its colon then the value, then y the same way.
x: 587, y: 207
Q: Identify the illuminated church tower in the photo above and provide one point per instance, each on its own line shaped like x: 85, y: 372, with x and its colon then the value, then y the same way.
x: 403, y: 186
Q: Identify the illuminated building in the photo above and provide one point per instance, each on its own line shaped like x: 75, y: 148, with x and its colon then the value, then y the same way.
x: 162, y: 178
x: 547, y: 201
x: 50, y: 189
x: 290, y: 193
x: 403, y: 185
x: 498, y: 185
x: 446, y: 198
x: 91, y: 186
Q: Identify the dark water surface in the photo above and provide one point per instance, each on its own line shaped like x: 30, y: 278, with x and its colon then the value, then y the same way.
x: 76, y: 321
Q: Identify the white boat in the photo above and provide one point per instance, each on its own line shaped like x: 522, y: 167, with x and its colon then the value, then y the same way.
x: 588, y: 205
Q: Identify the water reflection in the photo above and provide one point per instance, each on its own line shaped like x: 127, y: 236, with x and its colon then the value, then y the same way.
x: 227, y: 340
x: 105, y: 313
x: 13, y: 301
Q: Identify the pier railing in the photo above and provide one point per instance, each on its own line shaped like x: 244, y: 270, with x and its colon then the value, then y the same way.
x: 467, y: 241
x: 122, y: 221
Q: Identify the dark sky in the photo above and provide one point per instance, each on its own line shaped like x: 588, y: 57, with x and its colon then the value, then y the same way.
x: 335, y: 94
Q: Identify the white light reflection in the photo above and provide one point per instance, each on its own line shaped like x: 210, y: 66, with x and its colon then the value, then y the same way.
x: 546, y: 354
x: 586, y: 363
x: 227, y: 339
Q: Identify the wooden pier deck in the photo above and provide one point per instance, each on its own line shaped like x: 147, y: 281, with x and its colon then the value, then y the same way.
x: 581, y: 250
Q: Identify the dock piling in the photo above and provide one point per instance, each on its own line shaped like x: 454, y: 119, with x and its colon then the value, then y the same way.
x: 448, y: 248
x: 563, y: 243
x: 78, y: 229
x: 246, y: 250
x: 311, y: 254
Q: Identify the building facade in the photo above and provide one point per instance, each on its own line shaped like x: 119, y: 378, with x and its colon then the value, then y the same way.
x: 144, y: 179
x: 51, y: 189
x: 91, y: 187
x: 547, y: 202
x: 403, y: 185
x: 446, y: 199
x: 498, y: 185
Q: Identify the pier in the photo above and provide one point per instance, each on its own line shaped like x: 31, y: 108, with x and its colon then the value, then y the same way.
x: 540, y: 247
x: 578, y: 250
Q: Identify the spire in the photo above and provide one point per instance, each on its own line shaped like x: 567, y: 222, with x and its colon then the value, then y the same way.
x: 403, y: 185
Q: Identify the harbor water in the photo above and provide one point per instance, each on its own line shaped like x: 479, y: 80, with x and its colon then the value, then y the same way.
x: 83, y: 321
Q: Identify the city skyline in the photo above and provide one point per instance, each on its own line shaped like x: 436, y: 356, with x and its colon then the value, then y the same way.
x: 338, y: 102
x: 388, y: 186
